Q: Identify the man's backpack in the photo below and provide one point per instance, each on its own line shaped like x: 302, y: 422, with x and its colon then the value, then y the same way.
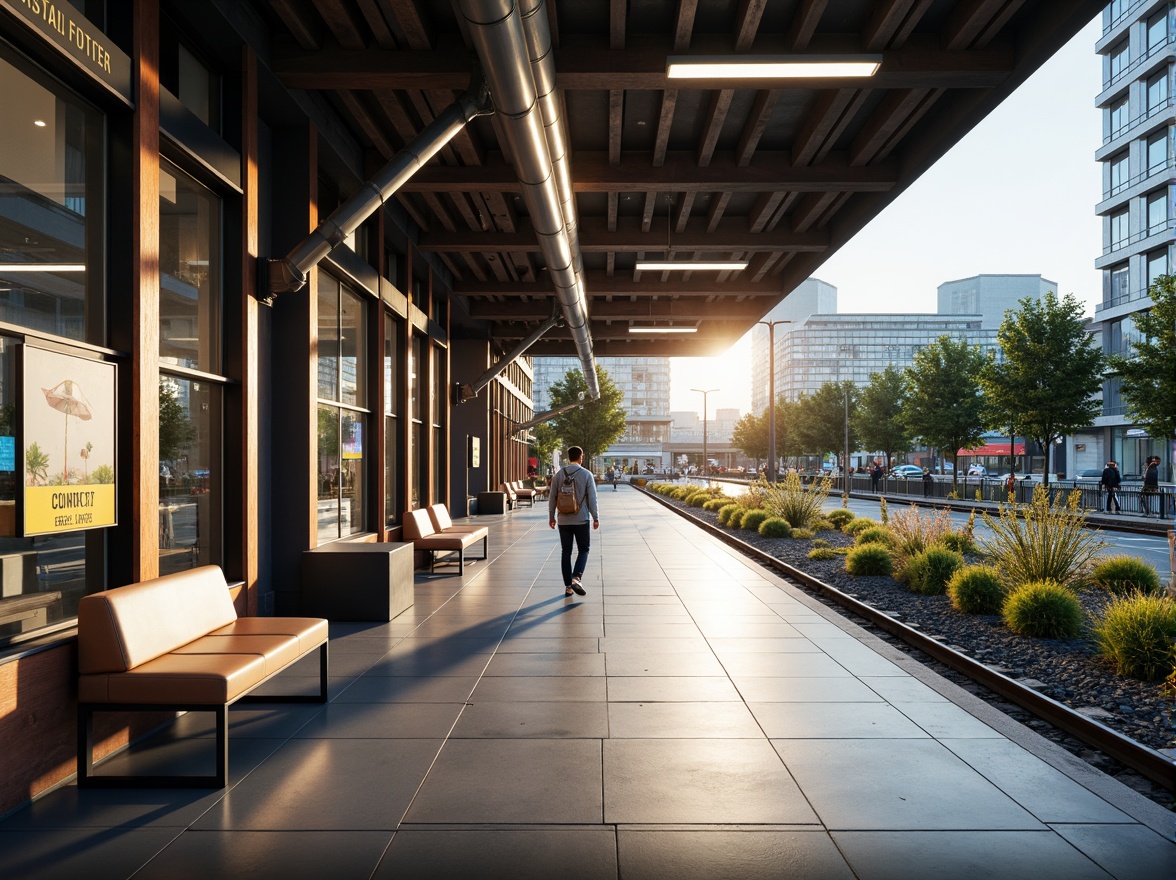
x: 565, y: 496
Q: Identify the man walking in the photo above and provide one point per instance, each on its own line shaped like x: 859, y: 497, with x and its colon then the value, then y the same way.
x: 1111, y: 478
x: 1151, y: 486
x: 572, y: 504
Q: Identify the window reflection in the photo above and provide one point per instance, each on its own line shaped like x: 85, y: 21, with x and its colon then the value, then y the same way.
x: 189, y: 485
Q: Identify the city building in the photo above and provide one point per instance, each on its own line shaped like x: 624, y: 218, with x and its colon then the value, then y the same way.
x: 1138, y: 47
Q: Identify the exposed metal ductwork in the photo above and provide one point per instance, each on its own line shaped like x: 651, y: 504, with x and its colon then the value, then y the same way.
x: 289, y: 273
x: 470, y: 391
x: 513, y: 43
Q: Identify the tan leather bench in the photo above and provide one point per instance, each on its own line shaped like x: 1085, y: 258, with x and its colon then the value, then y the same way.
x: 419, y: 529
x: 512, y: 498
x: 175, y: 644
x: 523, y: 492
x: 443, y: 524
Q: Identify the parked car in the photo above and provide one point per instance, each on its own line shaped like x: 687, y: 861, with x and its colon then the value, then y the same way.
x: 977, y: 470
x: 907, y: 470
x: 1091, y: 474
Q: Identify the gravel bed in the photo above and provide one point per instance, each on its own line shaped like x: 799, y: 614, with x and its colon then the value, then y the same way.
x: 1067, y: 670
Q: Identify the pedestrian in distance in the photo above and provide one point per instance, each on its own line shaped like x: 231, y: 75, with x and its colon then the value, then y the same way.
x: 927, y: 481
x: 1151, y: 486
x: 876, y: 474
x: 572, y: 506
x: 1111, y: 479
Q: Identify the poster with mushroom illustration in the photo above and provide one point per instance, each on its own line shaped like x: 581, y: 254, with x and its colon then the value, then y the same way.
x: 68, y: 442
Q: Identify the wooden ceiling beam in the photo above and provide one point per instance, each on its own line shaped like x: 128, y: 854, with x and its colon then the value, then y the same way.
x: 713, y: 126
x: 757, y: 122
x: 970, y: 20
x: 616, y: 121
x: 693, y: 309
x: 413, y: 22
x: 833, y: 112
x: 684, y: 24
x: 601, y: 284
x: 747, y: 23
x: 356, y: 104
x: 665, y: 122
x: 302, y: 22
x: 804, y: 24
x: 375, y: 21
x: 617, y: 12
x: 347, y: 32
x: 895, y: 116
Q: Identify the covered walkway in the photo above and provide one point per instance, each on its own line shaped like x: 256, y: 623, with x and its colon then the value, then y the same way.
x: 692, y: 717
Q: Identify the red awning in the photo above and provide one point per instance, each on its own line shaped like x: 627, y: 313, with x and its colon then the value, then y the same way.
x: 994, y: 449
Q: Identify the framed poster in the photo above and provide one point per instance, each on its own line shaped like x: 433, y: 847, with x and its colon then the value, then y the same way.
x: 68, y: 439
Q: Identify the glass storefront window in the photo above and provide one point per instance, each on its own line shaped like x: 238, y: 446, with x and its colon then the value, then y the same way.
x: 189, y: 272
x: 51, y: 209
x: 189, y: 474
x: 393, y: 448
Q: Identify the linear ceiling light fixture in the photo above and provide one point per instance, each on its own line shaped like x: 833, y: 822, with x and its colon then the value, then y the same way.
x: 722, y: 67
x: 663, y: 329
x: 42, y: 267
x: 689, y: 266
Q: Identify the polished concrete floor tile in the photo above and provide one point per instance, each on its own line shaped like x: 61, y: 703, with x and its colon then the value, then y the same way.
x: 622, y: 644
x: 546, y: 664
x: 408, y: 689
x: 327, y: 785
x: 364, y: 645
x: 821, y: 630
x: 542, y: 688
x: 760, y: 689
x: 556, y: 630
x: 621, y: 612
x: 166, y: 753
x: 903, y: 689
x: 1047, y: 793
x: 947, y: 721
x: 569, y: 645
x: 724, y: 645
x: 427, y: 645
x: 661, y: 720
x: 734, y: 628
x: 651, y: 630
x: 524, y: 854
x: 376, y: 720
x: 834, y: 721
x: 557, y: 720
x: 444, y: 664
x: 91, y: 853
x: 1129, y: 852
x: 671, y: 689
x: 269, y: 855
x: 699, y: 781
x: 650, y: 663
x: 858, y: 658
x: 788, y: 665
x: 911, y: 785
x: 512, y: 781
x: 69, y: 807
x: 753, y: 853
x: 975, y: 855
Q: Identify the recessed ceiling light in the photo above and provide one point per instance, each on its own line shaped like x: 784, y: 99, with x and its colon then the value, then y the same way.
x: 42, y: 267
x: 770, y: 66
x: 40, y: 123
x: 663, y: 329
x: 688, y: 266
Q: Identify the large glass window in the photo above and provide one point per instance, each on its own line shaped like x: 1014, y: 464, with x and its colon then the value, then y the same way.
x: 51, y: 208
x: 1119, y: 229
x: 393, y: 446
x: 1118, y: 120
x: 418, y: 399
x: 1118, y: 288
x: 1157, y: 31
x: 437, y: 408
x: 1157, y: 211
x: 1120, y: 58
x: 1157, y: 151
x: 1120, y: 173
x: 1157, y: 91
x: 1157, y: 265
x: 342, y: 414
x: 189, y: 473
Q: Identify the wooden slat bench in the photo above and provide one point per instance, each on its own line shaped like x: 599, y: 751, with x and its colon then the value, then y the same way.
x: 175, y: 644
x: 419, y: 529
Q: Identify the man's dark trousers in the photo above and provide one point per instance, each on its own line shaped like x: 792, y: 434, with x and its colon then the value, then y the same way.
x: 581, y: 533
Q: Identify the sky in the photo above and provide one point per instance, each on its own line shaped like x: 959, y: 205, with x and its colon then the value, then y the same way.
x: 1015, y: 195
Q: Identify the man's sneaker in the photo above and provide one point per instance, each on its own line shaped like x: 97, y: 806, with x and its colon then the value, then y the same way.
x: 577, y: 586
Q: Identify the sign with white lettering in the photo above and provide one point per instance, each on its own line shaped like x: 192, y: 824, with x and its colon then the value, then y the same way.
x: 68, y: 442
x: 74, y: 35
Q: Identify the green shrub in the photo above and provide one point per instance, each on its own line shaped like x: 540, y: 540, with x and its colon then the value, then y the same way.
x: 791, y: 500
x: 840, y: 517
x: 960, y: 543
x: 735, y: 518
x: 753, y: 519
x: 775, y: 527
x: 683, y: 492
x: 823, y: 525
x: 820, y: 542
x: 1138, y: 633
x: 1043, y: 609
x: 803, y: 534
x: 1123, y: 574
x: 1042, y: 541
x: 822, y: 553
x: 928, y: 572
x: 977, y: 589
x: 858, y: 524
x: 842, y: 551
x: 869, y: 559
x: 715, y: 504
x: 725, y: 513
x: 875, y: 535
x: 698, y: 499
x: 914, y: 531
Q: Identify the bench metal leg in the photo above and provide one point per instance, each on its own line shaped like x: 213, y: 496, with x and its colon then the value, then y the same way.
x: 320, y: 697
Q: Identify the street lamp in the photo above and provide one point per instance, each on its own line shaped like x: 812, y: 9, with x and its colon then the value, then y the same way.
x: 771, y: 325
x: 705, y: 460
x: 849, y: 349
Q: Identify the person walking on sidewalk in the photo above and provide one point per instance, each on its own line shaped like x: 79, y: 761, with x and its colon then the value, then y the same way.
x: 1111, y: 478
x: 1151, y: 486
x: 572, y: 505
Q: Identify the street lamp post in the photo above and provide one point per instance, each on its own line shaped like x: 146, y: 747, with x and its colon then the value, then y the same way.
x: 845, y: 391
x: 705, y: 460
x: 771, y: 325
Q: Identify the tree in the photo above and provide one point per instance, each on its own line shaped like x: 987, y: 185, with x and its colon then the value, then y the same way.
x: 1051, y: 368
x: 598, y: 423
x: 1148, y: 373
x: 751, y: 435
x: 944, y: 407
x: 878, y: 418
x: 819, y: 420
x: 544, y: 441
x: 176, y: 430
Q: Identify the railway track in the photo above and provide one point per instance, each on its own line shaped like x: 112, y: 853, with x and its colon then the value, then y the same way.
x: 1145, y: 761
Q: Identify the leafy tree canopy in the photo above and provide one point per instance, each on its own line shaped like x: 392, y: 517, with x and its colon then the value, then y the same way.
x: 176, y: 430
x: 943, y: 406
x: 878, y: 417
x: 598, y: 423
x: 544, y: 441
x: 1051, y: 369
x: 819, y: 419
x: 1148, y: 373
x: 751, y: 435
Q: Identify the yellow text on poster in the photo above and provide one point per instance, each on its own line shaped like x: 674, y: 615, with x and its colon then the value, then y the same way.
x: 67, y: 508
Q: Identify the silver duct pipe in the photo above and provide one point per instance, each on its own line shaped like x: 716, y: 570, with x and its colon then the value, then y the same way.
x: 550, y: 414
x: 469, y: 392
x: 496, y: 29
x: 289, y: 273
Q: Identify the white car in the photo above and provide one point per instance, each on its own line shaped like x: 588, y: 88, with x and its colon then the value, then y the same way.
x: 977, y: 470
x: 907, y: 470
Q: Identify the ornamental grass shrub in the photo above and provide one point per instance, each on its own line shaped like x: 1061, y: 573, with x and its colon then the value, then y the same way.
x: 699, y: 498
x: 803, y: 534
x: 977, y: 589
x: 823, y: 525
x: 960, y: 543
x: 716, y: 504
x: 1042, y: 540
x: 725, y: 513
x: 858, y: 524
x: 1043, y: 609
x: 914, y: 531
x: 823, y: 553
x: 928, y: 572
x: 869, y: 559
x: 821, y: 542
x: 735, y: 518
x: 840, y: 517
x: 1124, y: 574
x: 875, y: 535
x: 1137, y: 632
x: 791, y: 501
x: 775, y: 527
x: 753, y: 519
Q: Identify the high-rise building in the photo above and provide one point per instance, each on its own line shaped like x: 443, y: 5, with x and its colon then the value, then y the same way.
x: 1138, y: 46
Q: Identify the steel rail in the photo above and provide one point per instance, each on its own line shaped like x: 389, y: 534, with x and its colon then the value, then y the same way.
x: 1137, y: 756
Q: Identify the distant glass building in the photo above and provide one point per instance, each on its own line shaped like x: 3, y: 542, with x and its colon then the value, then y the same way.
x: 1138, y: 47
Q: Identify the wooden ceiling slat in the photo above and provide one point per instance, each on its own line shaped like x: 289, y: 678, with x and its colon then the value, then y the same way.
x: 600, y: 284
x: 748, y: 22
x: 684, y: 24
x: 713, y: 126
x: 408, y: 201
x: 613, y: 204
x: 763, y: 210
x: 694, y: 309
x: 832, y: 115
x: 887, y: 19
x: 397, y: 115
x: 356, y: 105
x: 302, y: 22
x: 412, y: 21
x: 376, y: 23
x: 682, y: 216
x: 811, y: 207
x: 969, y: 19
x: 912, y: 21
x: 617, y: 11
x: 347, y: 31
x: 647, y: 210
x: 894, y: 110
x: 439, y: 211
x: 757, y: 122
x: 931, y: 98
x: 804, y: 24
x: 714, y: 214
x: 616, y: 121
x: 665, y: 122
